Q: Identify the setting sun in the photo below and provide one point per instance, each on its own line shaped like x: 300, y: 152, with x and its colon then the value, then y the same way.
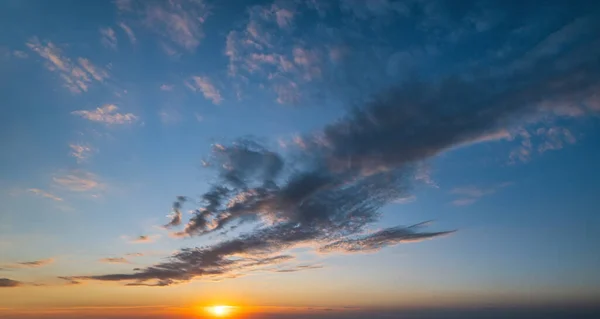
x: 219, y: 311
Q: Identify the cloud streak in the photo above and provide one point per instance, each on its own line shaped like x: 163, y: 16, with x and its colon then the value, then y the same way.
x: 77, y: 77
x: 204, y: 85
x: 107, y: 114
x: 45, y: 194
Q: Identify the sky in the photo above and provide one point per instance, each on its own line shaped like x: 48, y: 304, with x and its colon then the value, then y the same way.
x: 288, y: 158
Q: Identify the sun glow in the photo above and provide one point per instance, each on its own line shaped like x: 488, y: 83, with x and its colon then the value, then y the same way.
x: 220, y: 310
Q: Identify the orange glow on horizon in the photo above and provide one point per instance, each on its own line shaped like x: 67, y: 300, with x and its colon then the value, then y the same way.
x: 219, y: 310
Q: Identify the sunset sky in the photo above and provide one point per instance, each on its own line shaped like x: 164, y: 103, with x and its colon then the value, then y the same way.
x: 314, y: 159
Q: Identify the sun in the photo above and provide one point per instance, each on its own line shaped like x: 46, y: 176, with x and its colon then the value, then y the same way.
x: 220, y: 310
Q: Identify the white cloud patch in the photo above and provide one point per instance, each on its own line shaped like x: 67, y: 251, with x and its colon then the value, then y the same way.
x: 108, y: 38
x: 81, y: 152
x: 76, y: 76
x: 107, y: 114
x: 179, y: 23
x: 204, y: 85
x: 78, y: 181
x: 470, y: 194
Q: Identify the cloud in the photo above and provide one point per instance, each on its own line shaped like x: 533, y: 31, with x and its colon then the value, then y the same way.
x: 80, y: 152
x: 114, y: 260
x: 176, y: 214
x: 179, y: 23
x: 142, y: 239
x: 108, y: 38
x: 555, y: 138
x: 204, y: 85
x: 328, y: 191
x: 45, y: 194
x: 297, y: 268
x: 29, y: 264
x: 8, y: 283
x: 76, y: 76
x: 471, y: 194
x: 70, y: 281
x: 134, y: 254
x: 107, y: 114
x: 166, y: 87
x: 78, y: 181
x: 129, y: 32
x: 20, y: 54
x: 97, y: 73
x: 36, y: 263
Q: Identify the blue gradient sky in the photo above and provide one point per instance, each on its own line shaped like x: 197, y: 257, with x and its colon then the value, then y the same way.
x: 108, y: 109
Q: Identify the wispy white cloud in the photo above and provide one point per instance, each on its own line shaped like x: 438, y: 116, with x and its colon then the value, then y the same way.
x: 177, y: 22
x: 107, y: 114
x: 80, y: 152
x: 78, y: 181
x: 555, y: 138
x: 204, y: 85
x: 20, y: 54
x: 129, y: 32
x: 76, y: 76
x: 97, y: 73
x: 108, y: 38
x: 43, y: 193
x: 470, y: 194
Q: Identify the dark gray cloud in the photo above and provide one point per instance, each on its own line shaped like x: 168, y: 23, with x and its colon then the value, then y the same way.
x: 9, y: 283
x: 329, y: 191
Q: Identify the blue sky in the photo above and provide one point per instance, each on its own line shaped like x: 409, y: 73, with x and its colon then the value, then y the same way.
x: 480, y: 116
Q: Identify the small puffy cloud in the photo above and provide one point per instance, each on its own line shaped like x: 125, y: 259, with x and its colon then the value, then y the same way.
x: 78, y: 181
x: 204, y: 85
x: 9, y: 283
x: 45, y: 194
x: 77, y: 77
x: 108, y: 38
x: 107, y: 114
x: 114, y: 260
x: 129, y: 32
x: 80, y: 152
